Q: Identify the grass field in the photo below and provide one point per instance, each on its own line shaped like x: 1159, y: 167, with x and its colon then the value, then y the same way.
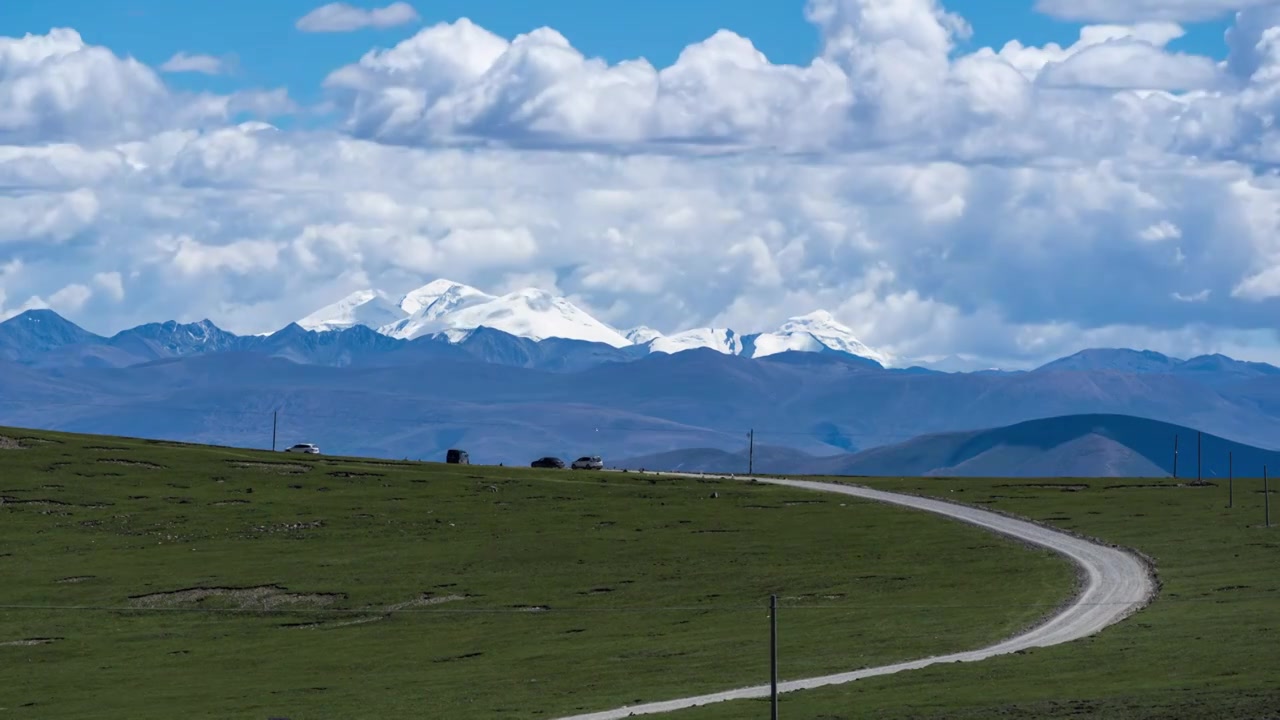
x: 150, y: 580
x: 1208, y: 647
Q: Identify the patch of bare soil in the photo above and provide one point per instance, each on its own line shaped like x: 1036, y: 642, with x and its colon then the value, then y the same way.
x: 229, y: 502
x: 106, y: 448
x: 10, y: 500
x: 261, y: 597
x: 275, y: 467
x: 1065, y: 487
x: 334, y: 623
x: 76, y: 579
x: 8, y: 443
x: 130, y: 463
x: 29, y: 641
x: 423, y: 600
x: 426, y: 600
x: 350, y: 474
x: 289, y: 527
x: 49, y: 502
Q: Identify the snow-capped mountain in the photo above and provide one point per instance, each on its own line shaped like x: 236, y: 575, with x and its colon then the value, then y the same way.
x: 428, y: 309
x: 537, y: 315
x: 438, y: 297
x: 816, y: 332
x: 371, y: 308
x: 718, y: 339
x: 451, y: 311
x: 812, y: 333
x: 641, y: 335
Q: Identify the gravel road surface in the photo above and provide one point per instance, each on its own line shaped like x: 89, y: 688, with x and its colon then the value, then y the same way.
x: 1116, y: 583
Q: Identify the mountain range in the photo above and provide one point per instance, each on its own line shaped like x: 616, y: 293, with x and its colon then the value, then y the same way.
x: 1067, y: 446
x: 508, y: 399
x: 447, y: 310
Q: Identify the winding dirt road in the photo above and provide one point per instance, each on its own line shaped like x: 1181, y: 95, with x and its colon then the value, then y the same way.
x: 1116, y: 584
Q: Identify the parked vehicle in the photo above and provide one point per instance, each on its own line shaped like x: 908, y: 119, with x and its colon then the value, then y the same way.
x: 548, y: 462
x: 588, y: 462
x: 457, y: 457
x: 304, y: 448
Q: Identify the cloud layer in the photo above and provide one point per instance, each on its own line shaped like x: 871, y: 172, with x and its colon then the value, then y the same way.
x: 1007, y: 204
x: 1137, y: 10
x: 203, y: 64
x: 341, y: 17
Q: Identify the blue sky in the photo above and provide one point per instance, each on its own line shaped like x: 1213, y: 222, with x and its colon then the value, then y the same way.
x: 272, y: 53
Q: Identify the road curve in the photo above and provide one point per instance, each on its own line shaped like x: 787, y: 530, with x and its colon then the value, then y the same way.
x: 1116, y: 584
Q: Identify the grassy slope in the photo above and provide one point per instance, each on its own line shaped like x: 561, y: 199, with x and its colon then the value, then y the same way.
x: 1205, y: 649
x: 656, y: 589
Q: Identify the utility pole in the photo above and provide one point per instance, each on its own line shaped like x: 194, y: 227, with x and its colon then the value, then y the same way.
x: 274, y: 413
x: 1231, y: 482
x: 751, y: 451
x: 773, y: 656
x: 1175, y: 457
x: 1266, y: 496
x: 1198, y: 477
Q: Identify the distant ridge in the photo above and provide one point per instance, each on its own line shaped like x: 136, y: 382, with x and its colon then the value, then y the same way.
x: 1066, y: 446
x: 1149, y: 361
x: 505, y: 397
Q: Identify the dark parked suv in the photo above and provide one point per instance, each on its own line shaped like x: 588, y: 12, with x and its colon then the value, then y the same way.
x: 547, y: 462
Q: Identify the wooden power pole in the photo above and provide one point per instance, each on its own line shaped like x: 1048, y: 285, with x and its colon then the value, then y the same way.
x: 773, y: 656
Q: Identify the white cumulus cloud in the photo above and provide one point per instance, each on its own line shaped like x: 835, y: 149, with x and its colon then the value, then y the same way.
x: 341, y: 17
x: 57, y: 88
x: 204, y: 64
x: 1003, y: 204
x: 70, y: 298
x: 112, y: 283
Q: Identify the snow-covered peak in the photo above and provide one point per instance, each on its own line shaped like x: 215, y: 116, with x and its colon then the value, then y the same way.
x: 427, y: 308
x: 371, y: 308
x: 443, y: 294
x: 641, y: 335
x: 536, y: 314
x: 815, y: 318
x: 452, y: 310
x: 812, y: 333
x: 718, y: 339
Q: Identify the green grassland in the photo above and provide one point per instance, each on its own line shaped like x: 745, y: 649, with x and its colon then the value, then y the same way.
x: 152, y: 580
x: 1208, y: 646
